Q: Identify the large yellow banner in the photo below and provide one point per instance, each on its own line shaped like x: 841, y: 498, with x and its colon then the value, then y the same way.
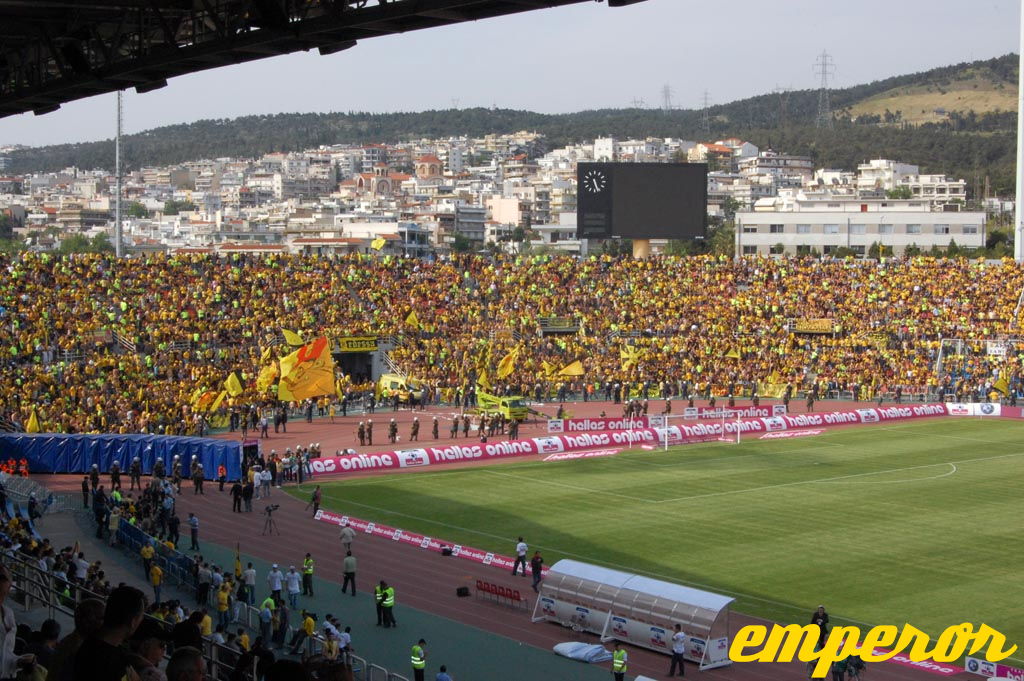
x: 355, y: 344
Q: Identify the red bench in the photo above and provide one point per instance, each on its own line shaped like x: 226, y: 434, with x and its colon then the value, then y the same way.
x: 505, y: 595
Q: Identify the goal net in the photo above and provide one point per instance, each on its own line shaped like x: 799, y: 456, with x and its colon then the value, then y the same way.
x: 720, y: 425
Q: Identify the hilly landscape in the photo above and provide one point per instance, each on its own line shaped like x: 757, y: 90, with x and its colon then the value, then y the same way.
x: 959, y: 120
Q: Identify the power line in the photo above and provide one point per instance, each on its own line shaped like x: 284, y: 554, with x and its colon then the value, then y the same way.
x: 825, y: 68
x: 705, y: 114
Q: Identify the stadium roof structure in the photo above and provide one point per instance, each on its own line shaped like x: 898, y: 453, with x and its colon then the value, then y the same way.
x: 57, y: 51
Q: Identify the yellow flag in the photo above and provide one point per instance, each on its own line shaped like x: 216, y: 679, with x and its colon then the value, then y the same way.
x: 283, y: 393
x: 508, y: 363
x: 1002, y: 385
x: 266, y: 377
x: 572, y: 369
x: 734, y: 353
x: 630, y: 355
x: 378, y: 243
x: 220, y: 398
x: 33, y: 423
x: 196, y: 394
x: 291, y: 337
x: 483, y: 381
x: 265, y: 355
x: 548, y: 368
x: 233, y: 385
x: 412, y: 319
x: 310, y: 370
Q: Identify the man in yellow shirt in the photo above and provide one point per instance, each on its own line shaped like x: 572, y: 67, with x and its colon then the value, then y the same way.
x: 306, y: 632
x: 156, y: 578
x: 243, y: 639
x: 147, y: 558
x: 223, y: 603
x: 206, y: 625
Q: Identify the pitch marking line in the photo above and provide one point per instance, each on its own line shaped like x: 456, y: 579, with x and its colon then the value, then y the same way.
x: 952, y: 470
x: 838, y: 477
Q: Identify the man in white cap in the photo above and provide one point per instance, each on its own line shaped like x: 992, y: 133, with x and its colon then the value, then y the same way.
x: 274, y: 579
x: 294, y: 582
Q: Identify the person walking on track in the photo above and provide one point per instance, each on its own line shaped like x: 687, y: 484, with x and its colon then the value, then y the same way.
x: 348, y: 568
x: 521, y: 549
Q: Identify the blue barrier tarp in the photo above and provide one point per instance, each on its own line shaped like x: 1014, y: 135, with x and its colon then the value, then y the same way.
x: 56, y: 453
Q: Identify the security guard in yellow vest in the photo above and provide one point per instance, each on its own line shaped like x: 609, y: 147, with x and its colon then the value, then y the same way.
x: 388, y: 604
x: 619, y: 659
x: 307, y: 575
x: 378, y: 600
x: 419, y: 660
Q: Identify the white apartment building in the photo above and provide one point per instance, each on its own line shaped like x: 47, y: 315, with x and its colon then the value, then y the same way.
x: 801, y: 223
x: 606, y: 149
x: 886, y: 175
x: 770, y: 162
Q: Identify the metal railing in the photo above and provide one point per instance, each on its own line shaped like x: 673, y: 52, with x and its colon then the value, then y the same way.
x: 34, y: 587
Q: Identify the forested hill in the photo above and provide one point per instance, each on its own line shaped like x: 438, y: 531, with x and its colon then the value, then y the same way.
x: 872, y: 120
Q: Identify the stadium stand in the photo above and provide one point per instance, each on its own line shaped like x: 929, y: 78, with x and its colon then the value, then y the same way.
x: 90, y: 344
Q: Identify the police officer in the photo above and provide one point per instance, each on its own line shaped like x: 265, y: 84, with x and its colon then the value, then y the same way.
x: 419, y: 660
x: 433, y: 428
x: 414, y: 433
x: 135, y: 473
x: 197, y: 477
x: 307, y: 575
x: 378, y: 600
x: 94, y: 477
x: 361, y: 434
x: 619, y: 660
x: 369, y: 432
x: 392, y: 431
x: 115, y: 476
x: 158, y: 470
x: 176, y: 473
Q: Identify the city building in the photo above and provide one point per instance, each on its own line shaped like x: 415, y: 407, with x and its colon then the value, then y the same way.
x: 798, y: 223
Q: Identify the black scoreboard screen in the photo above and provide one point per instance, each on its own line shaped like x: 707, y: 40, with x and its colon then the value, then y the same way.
x: 641, y: 200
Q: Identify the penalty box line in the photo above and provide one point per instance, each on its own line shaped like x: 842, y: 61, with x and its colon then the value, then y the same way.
x: 831, y: 479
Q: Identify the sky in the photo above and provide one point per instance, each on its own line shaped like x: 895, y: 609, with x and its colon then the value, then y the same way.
x: 568, y: 59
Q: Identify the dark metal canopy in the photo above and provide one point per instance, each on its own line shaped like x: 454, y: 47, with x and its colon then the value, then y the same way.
x: 56, y: 51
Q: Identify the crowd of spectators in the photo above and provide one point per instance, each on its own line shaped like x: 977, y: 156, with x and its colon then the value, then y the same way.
x: 215, y: 616
x: 710, y: 324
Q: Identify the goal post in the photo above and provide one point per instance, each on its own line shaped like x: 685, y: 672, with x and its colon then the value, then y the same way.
x: 724, y: 425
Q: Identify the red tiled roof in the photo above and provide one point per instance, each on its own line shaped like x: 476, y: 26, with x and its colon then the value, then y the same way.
x: 251, y: 247
x: 429, y: 158
x: 330, y: 240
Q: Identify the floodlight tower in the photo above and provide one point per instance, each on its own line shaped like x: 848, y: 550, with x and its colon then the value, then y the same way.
x: 1018, y: 215
x: 117, y: 179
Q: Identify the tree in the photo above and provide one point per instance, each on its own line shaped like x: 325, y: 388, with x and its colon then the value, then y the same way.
x: 101, y: 244
x: 75, y: 243
x: 899, y: 193
x: 911, y: 250
x: 877, y: 251
x: 462, y: 244
x: 173, y: 207
x: 137, y: 210
x: 6, y: 225
x: 722, y: 240
x: 844, y: 252
x: 777, y: 249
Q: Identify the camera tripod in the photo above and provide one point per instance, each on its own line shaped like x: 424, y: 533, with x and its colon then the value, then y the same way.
x: 270, y: 525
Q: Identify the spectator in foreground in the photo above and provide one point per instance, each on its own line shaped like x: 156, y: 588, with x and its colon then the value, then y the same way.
x: 88, y: 620
x: 186, y: 664
x: 101, y: 657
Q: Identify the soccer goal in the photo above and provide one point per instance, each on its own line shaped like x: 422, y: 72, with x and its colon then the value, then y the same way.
x: 720, y: 425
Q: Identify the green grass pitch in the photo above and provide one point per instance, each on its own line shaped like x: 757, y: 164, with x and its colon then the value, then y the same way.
x: 915, y: 522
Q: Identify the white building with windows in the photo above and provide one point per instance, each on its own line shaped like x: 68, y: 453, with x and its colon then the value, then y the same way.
x: 801, y: 223
x: 885, y: 175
